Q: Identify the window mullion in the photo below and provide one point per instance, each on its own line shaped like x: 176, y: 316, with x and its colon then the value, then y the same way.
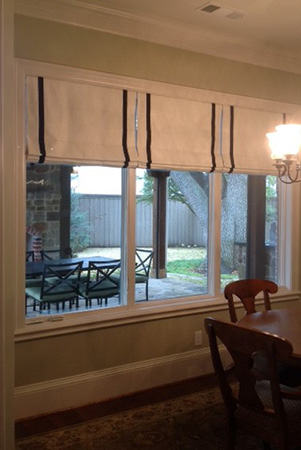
x: 128, y: 244
x: 214, y: 231
x: 286, y: 260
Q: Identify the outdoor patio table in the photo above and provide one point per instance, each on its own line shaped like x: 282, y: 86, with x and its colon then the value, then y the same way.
x: 36, y: 268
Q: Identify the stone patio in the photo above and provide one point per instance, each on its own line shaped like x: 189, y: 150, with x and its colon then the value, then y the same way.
x: 159, y: 289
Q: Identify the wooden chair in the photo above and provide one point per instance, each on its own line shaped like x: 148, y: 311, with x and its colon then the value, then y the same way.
x: 262, y: 408
x: 60, y: 283
x: 246, y: 291
x: 142, y: 267
x: 103, y: 281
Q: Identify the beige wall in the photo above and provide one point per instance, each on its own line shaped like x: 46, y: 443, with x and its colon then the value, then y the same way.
x: 73, y: 354
x: 74, y: 46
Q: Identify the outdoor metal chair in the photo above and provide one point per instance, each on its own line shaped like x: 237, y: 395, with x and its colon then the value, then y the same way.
x: 142, y: 267
x: 60, y: 283
x: 103, y: 281
x: 29, y: 255
x: 31, y: 281
x: 54, y: 254
x: 261, y: 408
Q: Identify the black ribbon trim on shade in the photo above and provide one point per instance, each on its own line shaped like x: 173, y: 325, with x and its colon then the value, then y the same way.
x: 125, y: 128
x: 213, y: 108
x: 41, y: 113
x: 284, y: 119
x: 148, y: 131
x: 232, y: 139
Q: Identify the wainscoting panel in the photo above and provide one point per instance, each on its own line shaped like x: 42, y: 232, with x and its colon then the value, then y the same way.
x: 55, y: 395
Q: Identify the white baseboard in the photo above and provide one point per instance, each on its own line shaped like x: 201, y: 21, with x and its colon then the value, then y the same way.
x: 71, y: 392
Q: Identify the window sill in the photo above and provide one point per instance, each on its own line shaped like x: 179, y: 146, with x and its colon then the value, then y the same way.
x: 79, y: 322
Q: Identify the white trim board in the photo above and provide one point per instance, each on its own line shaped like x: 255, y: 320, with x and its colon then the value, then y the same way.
x: 73, y: 74
x: 71, y: 392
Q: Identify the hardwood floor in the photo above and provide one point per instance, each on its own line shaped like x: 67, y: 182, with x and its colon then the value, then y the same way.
x: 62, y: 419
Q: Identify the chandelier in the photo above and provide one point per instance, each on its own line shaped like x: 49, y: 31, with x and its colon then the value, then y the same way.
x: 285, y: 145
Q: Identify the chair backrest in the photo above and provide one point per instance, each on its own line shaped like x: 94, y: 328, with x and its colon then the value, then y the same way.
x: 61, y: 279
x: 246, y: 291
x: 103, y: 276
x: 29, y: 255
x: 242, y: 343
x: 143, y: 261
x: 53, y: 254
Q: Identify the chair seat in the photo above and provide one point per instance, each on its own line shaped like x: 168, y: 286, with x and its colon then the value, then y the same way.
x: 32, y: 282
x: 108, y: 289
x: 141, y: 278
x: 57, y: 294
x: 253, y: 420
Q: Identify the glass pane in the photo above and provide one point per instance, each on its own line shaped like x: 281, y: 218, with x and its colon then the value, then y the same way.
x: 172, y: 223
x: 233, y: 227
x: 73, y: 213
x: 249, y: 228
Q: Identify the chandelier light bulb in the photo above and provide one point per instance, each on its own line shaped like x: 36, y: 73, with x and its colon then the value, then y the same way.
x: 285, y: 145
x: 276, y: 145
x: 290, y: 136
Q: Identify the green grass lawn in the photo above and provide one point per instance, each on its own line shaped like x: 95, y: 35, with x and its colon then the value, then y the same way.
x: 189, y: 263
x: 185, y: 266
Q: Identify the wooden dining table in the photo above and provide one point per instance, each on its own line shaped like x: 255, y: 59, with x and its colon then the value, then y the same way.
x: 282, y: 322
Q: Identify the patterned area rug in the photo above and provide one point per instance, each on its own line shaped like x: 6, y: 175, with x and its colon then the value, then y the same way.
x: 191, y: 422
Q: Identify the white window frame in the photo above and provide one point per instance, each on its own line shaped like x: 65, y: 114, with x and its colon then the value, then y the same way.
x: 131, y: 311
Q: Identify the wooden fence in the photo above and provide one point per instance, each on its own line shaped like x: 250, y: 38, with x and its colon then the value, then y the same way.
x: 103, y: 215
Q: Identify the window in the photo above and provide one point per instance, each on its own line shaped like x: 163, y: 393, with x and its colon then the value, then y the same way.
x: 201, y: 227
x: 249, y: 227
x: 172, y: 221
x: 73, y: 214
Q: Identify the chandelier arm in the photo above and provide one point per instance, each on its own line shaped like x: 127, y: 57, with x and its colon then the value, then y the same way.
x: 297, y: 173
x: 289, y: 182
x: 285, y: 173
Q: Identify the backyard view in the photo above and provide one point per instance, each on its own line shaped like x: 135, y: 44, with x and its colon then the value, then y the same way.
x: 78, y: 211
x: 186, y: 223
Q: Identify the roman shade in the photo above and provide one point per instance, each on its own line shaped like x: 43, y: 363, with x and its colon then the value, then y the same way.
x: 245, y: 131
x: 85, y: 123
x: 74, y: 122
x: 183, y: 134
x: 177, y: 134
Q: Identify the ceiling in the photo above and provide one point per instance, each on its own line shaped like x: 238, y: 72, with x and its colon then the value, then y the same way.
x: 264, y: 32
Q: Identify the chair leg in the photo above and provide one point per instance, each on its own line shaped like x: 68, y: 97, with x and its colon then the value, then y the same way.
x: 231, y: 434
x: 146, y: 290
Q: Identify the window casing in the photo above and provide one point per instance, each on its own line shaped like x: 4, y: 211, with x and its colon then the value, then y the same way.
x: 130, y: 308
x: 78, y: 211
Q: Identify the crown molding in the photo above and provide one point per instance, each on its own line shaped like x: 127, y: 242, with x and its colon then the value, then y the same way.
x: 170, y: 33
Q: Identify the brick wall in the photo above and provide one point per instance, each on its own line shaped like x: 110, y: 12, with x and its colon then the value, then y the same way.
x: 43, y: 199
